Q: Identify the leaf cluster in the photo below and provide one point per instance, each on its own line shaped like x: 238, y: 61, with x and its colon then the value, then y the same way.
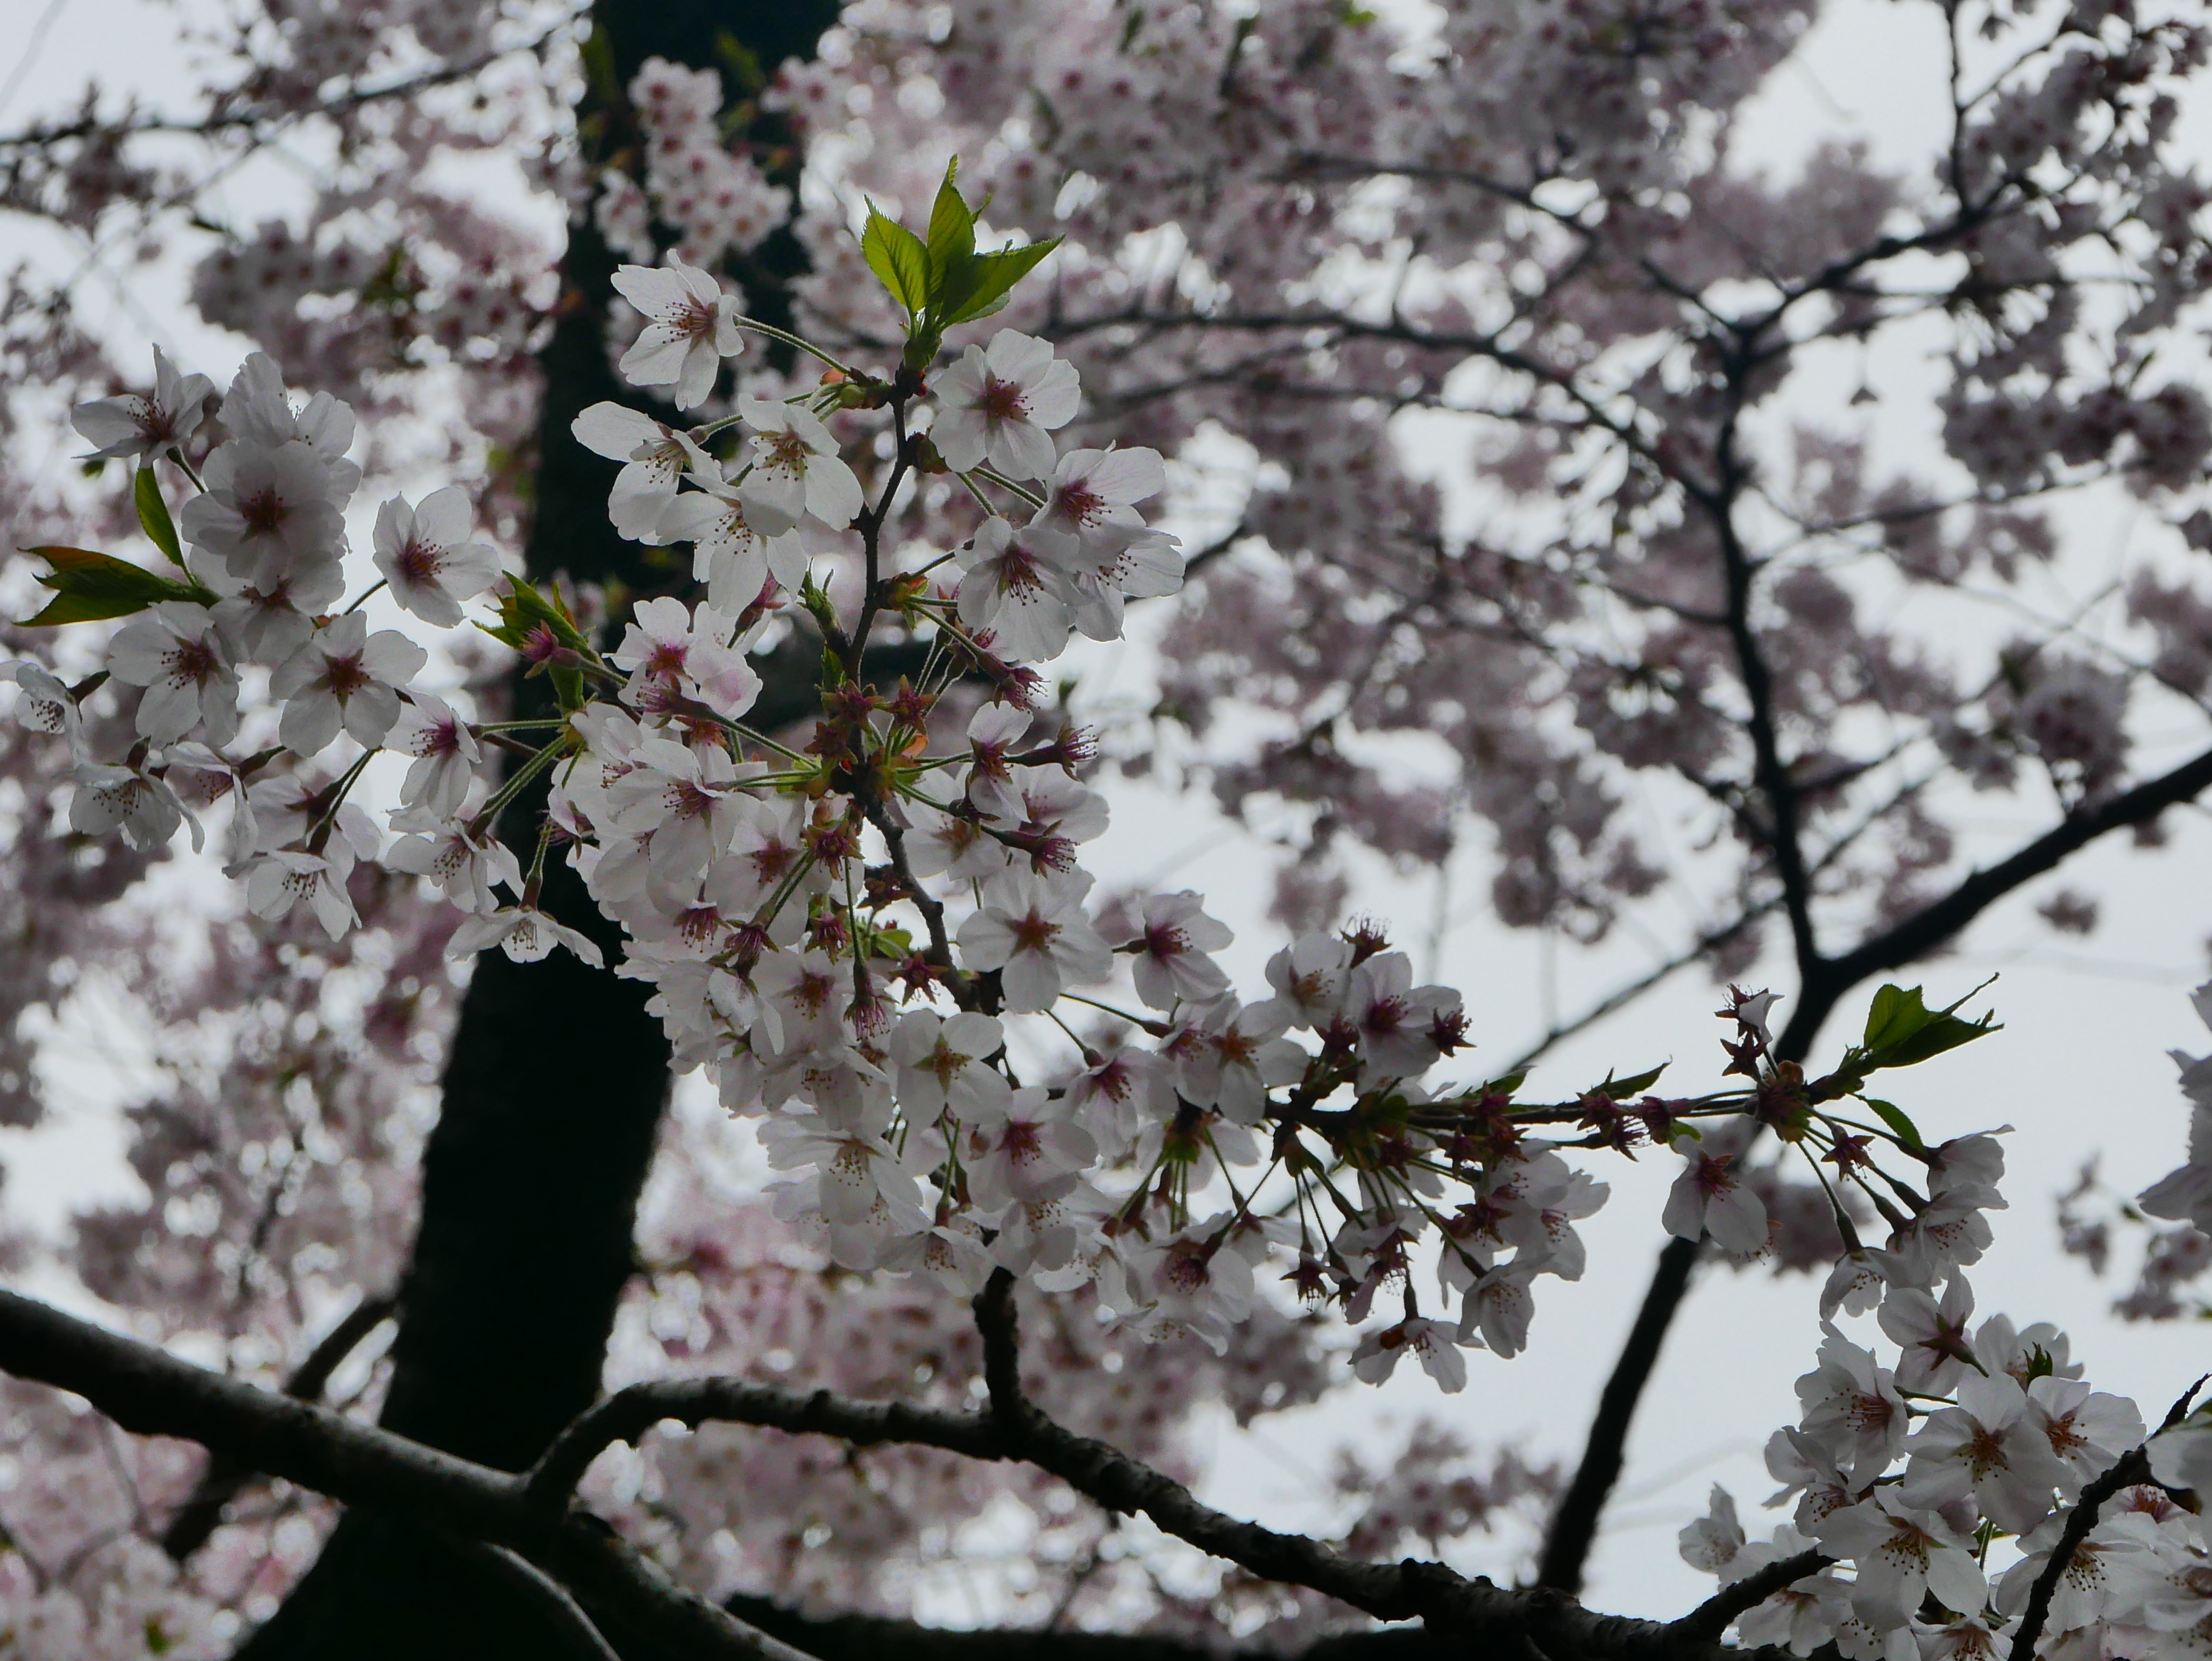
x: 942, y: 280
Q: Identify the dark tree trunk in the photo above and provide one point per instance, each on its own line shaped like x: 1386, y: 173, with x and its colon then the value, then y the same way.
x: 557, y: 1079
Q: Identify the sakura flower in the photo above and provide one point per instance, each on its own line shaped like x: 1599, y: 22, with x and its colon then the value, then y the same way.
x: 43, y: 704
x: 1034, y: 931
x: 1239, y: 1054
x: 265, y: 513
x: 1499, y: 1308
x: 465, y: 865
x: 1030, y: 1150
x: 1122, y: 1094
x: 1196, y: 1282
x: 444, y: 751
x: 1855, y: 1284
x: 993, y: 731
x: 1396, y: 1021
x: 427, y: 559
x: 137, y: 425
x: 1012, y: 584
x: 941, y: 1065
x: 685, y: 652
x: 682, y: 804
x: 952, y: 1253
x: 126, y: 798
x: 278, y: 882
x: 176, y: 653
x: 259, y: 410
x: 1709, y: 1198
x: 1092, y: 492
x: 1713, y: 1543
x: 1932, y: 1335
x: 344, y: 677
x: 1308, y: 976
x: 1902, y: 1553
x: 856, y: 1181
x: 1170, y: 961
x: 998, y: 404
x: 1989, y: 1446
x: 654, y: 456
x: 1378, y: 1353
x: 2088, y: 1430
x: 525, y: 934
x: 265, y: 622
x: 1851, y: 1409
x: 796, y: 468
x: 736, y: 551
x: 690, y: 327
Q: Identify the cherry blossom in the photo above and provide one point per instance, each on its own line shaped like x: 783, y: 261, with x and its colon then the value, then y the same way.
x: 1033, y: 930
x: 346, y: 678
x: 1170, y: 955
x: 1709, y: 1198
x: 137, y: 424
x: 426, y: 557
x: 177, y: 652
x: 796, y: 469
x: 1000, y: 403
x: 690, y: 327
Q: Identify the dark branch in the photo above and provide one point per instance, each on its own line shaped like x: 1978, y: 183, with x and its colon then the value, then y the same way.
x: 873, y: 1637
x: 1574, y: 1524
x: 151, y: 1392
x: 2130, y: 1468
x: 1710, y: 1618
x: 201, y: 1514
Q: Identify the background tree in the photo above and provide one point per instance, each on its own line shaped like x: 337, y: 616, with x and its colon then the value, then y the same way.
x: 1293, y: 229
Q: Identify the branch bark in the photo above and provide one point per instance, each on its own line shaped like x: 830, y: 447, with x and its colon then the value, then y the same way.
x: 147, y: 1391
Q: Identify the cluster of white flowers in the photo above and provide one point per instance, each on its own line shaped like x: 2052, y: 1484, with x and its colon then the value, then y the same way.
x: 882, y: 951
x: 717, y: 202
x: 1940, y: 1474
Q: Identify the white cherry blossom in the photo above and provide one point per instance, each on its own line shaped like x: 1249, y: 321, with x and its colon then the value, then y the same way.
x: 427, y: 559
x: 1000, y: 402
x: 344, y: 678
x: 175, y: 650
x: 690, y: 327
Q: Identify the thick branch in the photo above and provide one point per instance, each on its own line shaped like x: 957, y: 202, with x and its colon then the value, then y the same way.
x: 201, y: 1514
x: 1574, y: 1524
x: 1710, y: 1618
x: 146, y: 1390
x: 872, y: 1637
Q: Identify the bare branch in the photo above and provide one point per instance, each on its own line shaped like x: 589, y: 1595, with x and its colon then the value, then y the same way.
x: 1710, y: 1618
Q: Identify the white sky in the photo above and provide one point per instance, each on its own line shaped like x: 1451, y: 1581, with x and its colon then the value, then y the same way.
x: 2080, y: 1070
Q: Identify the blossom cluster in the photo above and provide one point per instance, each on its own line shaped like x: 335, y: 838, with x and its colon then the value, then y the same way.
x: 717, y: 201
x: 1939, y: 1464
x: 879, y: 943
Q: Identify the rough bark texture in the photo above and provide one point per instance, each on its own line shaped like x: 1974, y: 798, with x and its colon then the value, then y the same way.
x: 557, y: 1079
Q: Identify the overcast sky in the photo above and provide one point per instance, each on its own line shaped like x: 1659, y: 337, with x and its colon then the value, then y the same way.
x: 2080, y: 1070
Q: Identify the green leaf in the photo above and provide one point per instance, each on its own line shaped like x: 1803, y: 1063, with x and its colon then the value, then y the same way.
x: 1890, y: 1114
x: 1902, y: 1031
x: 981, y: 284
x: 1895, y: 1014
x: 1618, y: 1088
x: 88, y: 586
x: 154, y: 515
x: 951, y: 230
x: 899, y: 259
x: 1504, y: 1085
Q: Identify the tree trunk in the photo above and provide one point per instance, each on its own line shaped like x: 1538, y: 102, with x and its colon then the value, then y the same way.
x: 555, y: 1088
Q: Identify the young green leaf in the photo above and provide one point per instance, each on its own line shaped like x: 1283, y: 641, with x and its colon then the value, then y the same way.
x: 1890, y: 1114
x: 154, y: 515
x: 980, y: 286
x: 952, y: 230
x: 89, y: 586
x: 1620, y: 1088
x: 900, y: 260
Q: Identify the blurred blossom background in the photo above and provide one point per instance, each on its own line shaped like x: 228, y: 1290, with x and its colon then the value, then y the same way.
x: 447, y: 235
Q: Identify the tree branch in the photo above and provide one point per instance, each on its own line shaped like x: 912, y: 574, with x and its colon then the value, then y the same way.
x: 147, y: 1391
x: 2130, y: 1468
x: 1710, y: 1618
x: 1574, y: 1524
x: 219, y: 1483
